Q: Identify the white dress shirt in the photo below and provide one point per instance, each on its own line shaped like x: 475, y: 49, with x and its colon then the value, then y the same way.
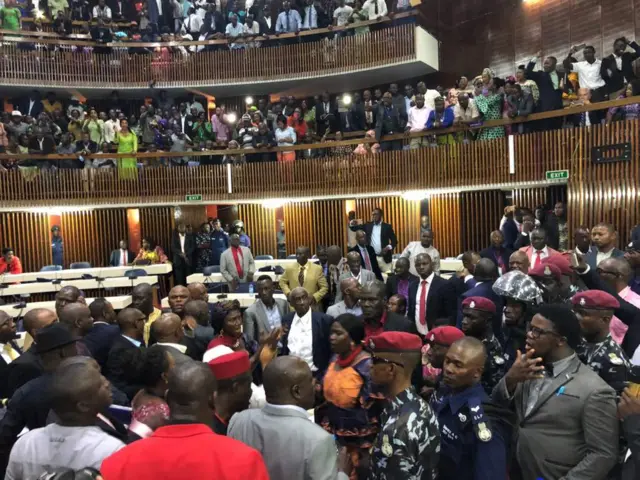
x: 370, y: 8
x: 182, y: 238
x: 300, y: 341
x: 544, y: 253
x: 178, y: 346
x: 589, y: 74
x: 600, y: 256
x: 422, y: 329
x: 5, y: 354
x: 376, y: 238
x: 123, y: 259
x: 418, y: 118
x: 414, y: 249
x: 310, y: 18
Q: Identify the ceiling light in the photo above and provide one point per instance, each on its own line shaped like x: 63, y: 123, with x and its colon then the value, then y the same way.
x: 346, y: 99
x: 248, y: 100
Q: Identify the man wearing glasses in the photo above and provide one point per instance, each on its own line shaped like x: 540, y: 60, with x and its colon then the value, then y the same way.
x: 409, y: 440
x: 566, y: 412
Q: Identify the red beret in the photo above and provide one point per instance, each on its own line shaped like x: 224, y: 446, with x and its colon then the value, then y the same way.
x: 545, y: 270
x: 444, y: 335
x: 395, y: 342
x: 560, y: 261
x: 479, y: 303
x: 595, y: 299
x: 230, y: 365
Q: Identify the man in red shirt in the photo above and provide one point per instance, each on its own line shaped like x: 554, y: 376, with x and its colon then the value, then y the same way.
x: 187, y: 448
x: 9, y: 263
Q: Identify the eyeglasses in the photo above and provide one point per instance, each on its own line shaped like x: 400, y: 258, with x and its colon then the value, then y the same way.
x: 537, y: 332
x: 378, y: 360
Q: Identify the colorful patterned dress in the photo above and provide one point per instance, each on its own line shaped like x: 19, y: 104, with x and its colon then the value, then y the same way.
x: 491, y: 109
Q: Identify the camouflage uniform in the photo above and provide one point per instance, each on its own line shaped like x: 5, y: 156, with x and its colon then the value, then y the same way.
x: 494, y: 368
x: 408, y: 445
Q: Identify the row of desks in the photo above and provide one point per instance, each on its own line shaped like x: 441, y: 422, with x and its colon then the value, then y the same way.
x: 89, y: 284
x: 104, y: 272
x: 245, y: 299
x: 118, y: 303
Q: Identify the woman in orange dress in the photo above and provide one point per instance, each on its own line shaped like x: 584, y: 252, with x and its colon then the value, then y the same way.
x: 349, y: 412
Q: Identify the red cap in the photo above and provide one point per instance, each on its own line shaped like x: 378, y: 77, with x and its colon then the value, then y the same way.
x: 230, y: 365
x: 395, y: 342
x: 560, y: 261
x: 479, y: 303
x: 444, y: 335
x: 545, y: 270
x: 595, y: 300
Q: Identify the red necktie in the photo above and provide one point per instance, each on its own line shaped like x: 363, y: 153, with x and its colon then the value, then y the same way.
x: 537, y: 260
x: 423, y: 302
x: 367, y: 261
x: 124, y: 258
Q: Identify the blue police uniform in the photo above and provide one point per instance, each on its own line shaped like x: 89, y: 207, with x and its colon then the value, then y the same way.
x: 57, y: 251
x: 219, y: 243
x: 245, y: 240
x: 473, y: 444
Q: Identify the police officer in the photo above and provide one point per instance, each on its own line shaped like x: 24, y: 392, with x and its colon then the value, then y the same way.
x: 57, y: 248
x: 219, y: 242
x: 474, y: 432
x: 439, y: 340
x: 549, y: 277
x: 238, y: 227
x: 594, y: 309
x: 409, y: 440
x: 476, y: 317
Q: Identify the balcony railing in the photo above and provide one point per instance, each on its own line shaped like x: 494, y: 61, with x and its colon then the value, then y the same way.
x: 80, y: 67
x: 475, y: 165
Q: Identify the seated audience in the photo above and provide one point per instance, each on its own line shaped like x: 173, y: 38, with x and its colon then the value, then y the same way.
x: 9, y: 263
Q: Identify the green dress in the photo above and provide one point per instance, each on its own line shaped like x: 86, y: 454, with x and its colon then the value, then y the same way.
x: 491, y: 109
x: 10, y: 18
x: 127, y: 167
x: 94, y: 127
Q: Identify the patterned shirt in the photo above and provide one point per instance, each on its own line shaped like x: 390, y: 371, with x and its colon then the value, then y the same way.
x: 408, y: 445
x: 494, y: 368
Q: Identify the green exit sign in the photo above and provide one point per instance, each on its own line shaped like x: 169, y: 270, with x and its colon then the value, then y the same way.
x: 557, y: 174
x: 193, y: 198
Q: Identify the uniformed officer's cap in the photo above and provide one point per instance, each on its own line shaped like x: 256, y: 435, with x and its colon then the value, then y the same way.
x: 230, y: 365
x: 445, y: 335
x: 595, y: 300
x: 397, y: 342
x: 560, y: 261
x: 545, y: 270
x: 481, y: 304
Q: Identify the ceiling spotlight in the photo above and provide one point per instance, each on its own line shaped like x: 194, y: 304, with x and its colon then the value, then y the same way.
x: 248, y: 100
x: 231, y: 118
x: 346, y: 99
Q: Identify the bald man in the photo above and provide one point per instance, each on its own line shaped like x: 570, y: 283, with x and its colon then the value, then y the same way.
x: 291, y: 445
x: 187, y: 447
x: 77, y: 317
x: 142, y: 299
x: 198, y: 291
x: 474, y: 438
x: 125, y: 356
x: 169, y: 334
x: 356, y: 272
x: 519, y: 261
x: 349, y: 287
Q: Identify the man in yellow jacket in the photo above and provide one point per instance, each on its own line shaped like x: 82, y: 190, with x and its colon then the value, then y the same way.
x: 307, y: 275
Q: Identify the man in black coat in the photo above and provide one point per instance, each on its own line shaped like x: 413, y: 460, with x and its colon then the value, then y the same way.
x: 381, y: 237
x: 367, y: 254
x: 389, y: 121
x: 122, y: 256
x: 183, y: 246
x: 548, y: 81
x: 31, y: 105
x: 617, y: 77
x: 104, y: 332
x: 327, y: 116
x: 400, y: 280
x: 497, y: 252
x: 124, y: 360
x: 10, y: 350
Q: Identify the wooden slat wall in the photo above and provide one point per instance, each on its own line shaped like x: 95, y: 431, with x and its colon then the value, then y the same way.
x: 111, y: 227
x: 529, y: 197
x: 260, y: 225
x: 79, y: 233
x: 298, y: 226
x: 330, y: 223
x: 193, y: 215
x: 444, y: 211
x: 29, y: 236
x: 480, y: 215
x: 158, y: 223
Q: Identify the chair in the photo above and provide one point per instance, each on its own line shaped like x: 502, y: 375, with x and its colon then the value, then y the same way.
x: 77, y: 265
x: 264, y: 257
x: 292, y: 257
x: 51, y: 268
x: 135, y: 273
x: 206, y: 271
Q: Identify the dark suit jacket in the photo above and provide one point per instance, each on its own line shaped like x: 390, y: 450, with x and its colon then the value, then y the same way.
x: 333, y: 121
x: 48, y: 145
x: 4, y: 374
x: 592, y: 256
x: 320, y: 327
x: 492, y: 255
x: 114, y: 259
x: 357, y: 117
x: 614, y: 78
x: 460, y: 286
x: 484, y: 290
x: 207, y: 28
x: 91, y: 147
x: 23, y: 369
x: 178, y: 357
x: 189, y: 245
x: 392, y: 284
x: 23, y: 106
x: 388, y: 124
x: 510, y: 232
x: 99, y: 341
x: 550, y: 98
x: 522, y: 241
x: 387, y: 236
x: 375, y: 268
x: 398, y: 323
x: 123, y: 366
x: 441, y: 302
x: 553, y: 234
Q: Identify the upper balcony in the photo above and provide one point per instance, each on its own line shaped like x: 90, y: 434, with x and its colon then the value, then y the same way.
x: 393, y: 50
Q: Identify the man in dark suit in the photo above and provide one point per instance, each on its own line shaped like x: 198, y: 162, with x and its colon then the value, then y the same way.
x: 554, y: 224
x: 604, y: 237
x: 10, y: 350
x: 389, y: 121
x: 377, y: 319
x: 125, y: 356
x: 367, y: 254
x: 511, y: 226
x: 431, y: 298
x: 213, y: 23
x: 463, y: 281
x: 101, y: 337
x: 121, y: 257
x: 183, y: 246
x: 497, y: 252
x: 485, y: 275
x: 296, y: 326
x: 31, y: 106
x: 616, y: 77
x: 398, y: 282
x: 548, y: 81
x: 86, y: 146
x: 41, y: 143
x: 356, y: 114
x: 381, y: 237
x: 168, y: 333
x: 327, y: 116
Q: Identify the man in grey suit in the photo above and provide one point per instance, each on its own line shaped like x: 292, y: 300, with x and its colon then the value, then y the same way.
x: 266, y: 314
x: 349, y: 303
x: 355, y: 271
x: 566, y: 412
x: 236, y: 263
x: 293, y: 447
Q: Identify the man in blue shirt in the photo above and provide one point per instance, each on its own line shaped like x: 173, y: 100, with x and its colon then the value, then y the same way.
x: 219, y: 242
x: 289, y: 21
x: 56, y: 246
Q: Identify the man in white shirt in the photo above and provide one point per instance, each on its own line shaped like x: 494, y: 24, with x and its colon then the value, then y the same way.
x: 102, y: 11
x: 356, y: 271
x: 111, y: 127
x: 234, y: 30
x: 289, y: 20
x: 425, y: 245
x: 590, y: 74
x: 310, y: 16
x: 307, y: 333
x: 342, y: 14
x: 375, y: 9
x: 79, y: 393
x: 417, y: 122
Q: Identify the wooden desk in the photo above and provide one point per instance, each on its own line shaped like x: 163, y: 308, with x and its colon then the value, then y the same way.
x: 92, y: 284
x: 218, y: 278
x: 104, y: 272
x: 245, y: 299
x: 118, y: 303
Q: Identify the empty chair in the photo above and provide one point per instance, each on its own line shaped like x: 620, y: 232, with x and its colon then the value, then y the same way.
x: 264, y: 257
x: 206, y: 271
x: 135, y: 273
x: 51, y: 268
x: 76, y: 265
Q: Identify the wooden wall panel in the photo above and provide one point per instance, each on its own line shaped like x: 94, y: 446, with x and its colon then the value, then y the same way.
x: 330, y: 223
x: 158, y: 223
x: 79, y: 234
x: 193, y: 215
x: 444, y: 211
x: 29, y: 236
x: 529, y: 197
x: 260, y: 225
x: 480, y: 214
x: 111, y: 227
x: 299, y: 226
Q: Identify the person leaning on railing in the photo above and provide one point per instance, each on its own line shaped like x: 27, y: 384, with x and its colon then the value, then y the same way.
x: 626, y: 112
x: 10, y: 17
